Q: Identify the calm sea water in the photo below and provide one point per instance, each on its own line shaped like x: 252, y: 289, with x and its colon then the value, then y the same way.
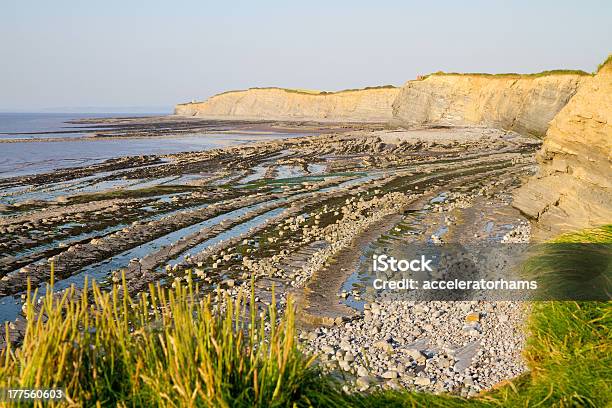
x: 34, y: 125
x: 22, y: 158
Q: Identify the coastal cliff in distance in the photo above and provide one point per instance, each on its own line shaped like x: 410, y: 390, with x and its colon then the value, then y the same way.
x: 360, y: 105
x: 573, y: 189
x: 522, y: 103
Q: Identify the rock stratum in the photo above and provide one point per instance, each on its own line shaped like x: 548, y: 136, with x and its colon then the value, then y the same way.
x: 571, y: 110
x: 573, y: 189
x: 522, y: 103
x: 362, y: 105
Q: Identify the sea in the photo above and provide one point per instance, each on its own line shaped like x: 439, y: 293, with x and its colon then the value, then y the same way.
x: 19, y: 158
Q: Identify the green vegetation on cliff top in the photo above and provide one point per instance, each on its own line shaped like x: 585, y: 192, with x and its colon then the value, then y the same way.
x: 303, y: 91
x: 606, y: 62
x: 515, y: 75
x: 512, y: 74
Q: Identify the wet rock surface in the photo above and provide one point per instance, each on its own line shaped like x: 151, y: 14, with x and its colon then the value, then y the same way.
x: 290, y: 216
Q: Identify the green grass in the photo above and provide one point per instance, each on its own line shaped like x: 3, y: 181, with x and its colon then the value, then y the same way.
x: 170, y: 348
x: 512, y: 74
x: 606, y: 62
x: 573, y: 267
x: 519, y: 76
x: 303, y: 91
x: 569, y: 351
x: 313, y: 92
x: 167, y: 348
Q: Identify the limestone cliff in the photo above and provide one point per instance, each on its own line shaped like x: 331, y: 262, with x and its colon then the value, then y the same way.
x: 573, y: 189
x: 523, y: 103
x: 363, y: 105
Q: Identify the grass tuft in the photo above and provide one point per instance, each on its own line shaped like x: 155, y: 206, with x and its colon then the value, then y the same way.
x: 166, y: 348
x: 576, y: 266
x: 606, y: 62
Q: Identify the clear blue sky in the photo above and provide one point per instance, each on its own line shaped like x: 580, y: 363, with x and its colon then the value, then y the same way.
x: 57, y: 53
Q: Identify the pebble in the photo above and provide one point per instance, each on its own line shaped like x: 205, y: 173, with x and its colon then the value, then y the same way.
x: 384, y: 346
x: 422, y: 381
x: 363, y: 383
x: 345, y: 345
x: 390, y: 374
x: 472, y: 317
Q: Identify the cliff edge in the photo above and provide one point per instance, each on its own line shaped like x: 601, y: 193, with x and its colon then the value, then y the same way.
x: 522, y: 103
x: 573, y: 189
x: 361, y: 105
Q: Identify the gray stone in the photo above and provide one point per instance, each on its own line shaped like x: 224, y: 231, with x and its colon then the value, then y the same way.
x: 345, y: 345
x: 422, y: 381
x: 363, y: 383
x: 362, y: 371
x: 413, y: 353
x: 390, y: 374
x: 384, y: 346
x: 327, y: 349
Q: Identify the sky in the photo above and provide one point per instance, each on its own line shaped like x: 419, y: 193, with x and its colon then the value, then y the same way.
x: 149, y: 55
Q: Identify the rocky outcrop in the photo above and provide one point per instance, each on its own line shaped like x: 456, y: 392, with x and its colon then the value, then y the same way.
x: 363, y: 105
x: 522, y: 103
x: 573, y: 189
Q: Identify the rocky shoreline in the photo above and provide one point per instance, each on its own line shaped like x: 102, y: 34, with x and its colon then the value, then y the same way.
x: 289, y: 214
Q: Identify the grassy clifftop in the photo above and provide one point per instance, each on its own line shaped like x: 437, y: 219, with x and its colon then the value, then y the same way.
x: 512, y: 74
x: 608, y: 61
x: 302, y: 91
x: 518, y: 76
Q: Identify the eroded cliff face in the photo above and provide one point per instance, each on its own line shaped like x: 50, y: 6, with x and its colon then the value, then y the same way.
x: 365, y: 105
x: 522, y: 104
x: 573, y: 189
